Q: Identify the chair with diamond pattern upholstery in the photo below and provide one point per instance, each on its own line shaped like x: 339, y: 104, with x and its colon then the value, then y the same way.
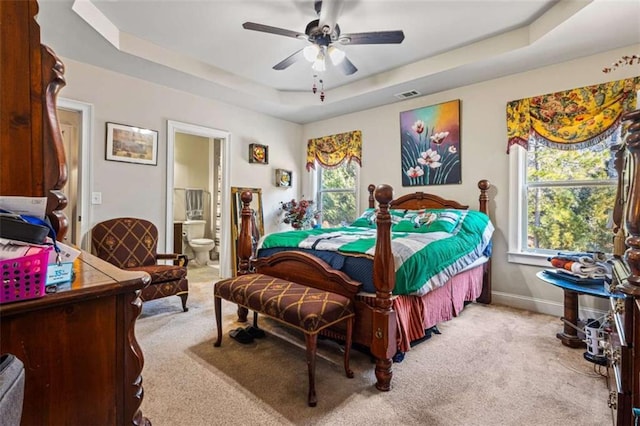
x: 130, y: 244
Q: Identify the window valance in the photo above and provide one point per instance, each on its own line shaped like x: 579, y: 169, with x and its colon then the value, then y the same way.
x: 572, y: 119
x: 332, y: 151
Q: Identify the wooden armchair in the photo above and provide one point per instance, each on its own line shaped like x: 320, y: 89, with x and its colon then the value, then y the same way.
x: 131, y: 244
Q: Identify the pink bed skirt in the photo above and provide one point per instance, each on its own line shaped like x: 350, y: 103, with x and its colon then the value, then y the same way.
x: 415, y: 314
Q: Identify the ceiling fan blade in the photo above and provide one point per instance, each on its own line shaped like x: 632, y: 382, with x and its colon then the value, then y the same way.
x: 347, y: 67
x: 329, y: 12
x: 289, y: 61
x: 272, y: 30
x: 374, y: 37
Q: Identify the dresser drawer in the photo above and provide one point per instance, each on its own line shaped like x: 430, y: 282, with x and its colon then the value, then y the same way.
x: 617, y: 319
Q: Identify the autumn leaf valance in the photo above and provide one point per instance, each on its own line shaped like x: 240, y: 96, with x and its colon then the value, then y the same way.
x: 332, y: 151
x: 572, y: 119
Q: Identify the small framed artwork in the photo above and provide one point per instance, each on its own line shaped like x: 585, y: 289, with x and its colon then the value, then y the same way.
x: 258, y: 153
x: 283, y: 178
x: 132, y: 144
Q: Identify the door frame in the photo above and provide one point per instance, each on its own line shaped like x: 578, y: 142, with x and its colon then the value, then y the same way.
x: 85, y: 175
x: 174, y: 127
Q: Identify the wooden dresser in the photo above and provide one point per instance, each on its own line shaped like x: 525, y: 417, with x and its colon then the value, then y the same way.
x: 82, y: 361
x: 623, y: 351
x: 620, y: 351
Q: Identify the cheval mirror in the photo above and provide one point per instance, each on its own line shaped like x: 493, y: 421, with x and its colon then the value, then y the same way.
x: 236, y: 219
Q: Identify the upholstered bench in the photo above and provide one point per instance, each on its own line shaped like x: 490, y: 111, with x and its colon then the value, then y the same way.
x: 308, y: 309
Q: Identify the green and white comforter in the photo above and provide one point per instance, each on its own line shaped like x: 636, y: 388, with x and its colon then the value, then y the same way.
x: 423, y: 261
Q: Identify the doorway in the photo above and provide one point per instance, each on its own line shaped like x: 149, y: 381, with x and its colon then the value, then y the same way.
x: 217, y: 185
x: 75, y: 120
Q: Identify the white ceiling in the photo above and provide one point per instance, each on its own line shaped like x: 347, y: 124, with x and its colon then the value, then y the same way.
x: 201, y: 47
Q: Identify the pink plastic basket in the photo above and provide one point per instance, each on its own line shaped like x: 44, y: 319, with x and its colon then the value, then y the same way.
x: 24, y: 278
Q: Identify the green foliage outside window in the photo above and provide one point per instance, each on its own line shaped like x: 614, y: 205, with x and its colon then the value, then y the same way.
x: 570, y: 196
x: 337, y: 195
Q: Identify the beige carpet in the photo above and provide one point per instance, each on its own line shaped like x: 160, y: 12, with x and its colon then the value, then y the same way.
x: 491, y: 366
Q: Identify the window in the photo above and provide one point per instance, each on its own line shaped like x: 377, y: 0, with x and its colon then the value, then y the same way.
x: 562, y: 200
x: 337, y: 194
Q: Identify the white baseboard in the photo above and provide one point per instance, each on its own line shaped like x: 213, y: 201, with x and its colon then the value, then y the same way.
x: 540, y: 305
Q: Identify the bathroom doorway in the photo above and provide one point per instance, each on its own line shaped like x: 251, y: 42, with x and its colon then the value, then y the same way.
x: 197, y: 176
x: 75, y: 120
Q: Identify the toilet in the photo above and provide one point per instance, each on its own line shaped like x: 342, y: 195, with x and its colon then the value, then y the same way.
x: 193, y: 233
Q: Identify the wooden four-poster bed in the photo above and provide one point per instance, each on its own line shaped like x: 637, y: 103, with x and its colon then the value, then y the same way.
x: 386, y: 323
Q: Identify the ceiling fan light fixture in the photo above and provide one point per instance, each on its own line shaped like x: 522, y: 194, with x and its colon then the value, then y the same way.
x: 336, y: 55
x: 311, y: 52
x: 319, y: 65
x: 323, y: 36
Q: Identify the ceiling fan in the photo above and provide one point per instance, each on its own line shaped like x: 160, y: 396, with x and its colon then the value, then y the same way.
x: 324, y: 37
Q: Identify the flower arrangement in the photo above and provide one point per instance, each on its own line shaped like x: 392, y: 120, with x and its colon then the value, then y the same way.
x: 299, y: 214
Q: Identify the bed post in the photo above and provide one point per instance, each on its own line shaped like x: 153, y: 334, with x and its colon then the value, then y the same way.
x: 485, y: 296
x: 383, y: 345
x: 245, y: 247
x: 372, y: 200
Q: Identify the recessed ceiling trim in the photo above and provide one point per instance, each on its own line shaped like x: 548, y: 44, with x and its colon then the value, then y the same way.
x: 478, y: 51
x: 96, y: 19
x: 471, y: 53
x: 556, y: 15
x: 136, y: 46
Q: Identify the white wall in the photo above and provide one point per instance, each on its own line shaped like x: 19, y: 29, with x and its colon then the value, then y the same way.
x: 483, y: 146
x: 139, y: 190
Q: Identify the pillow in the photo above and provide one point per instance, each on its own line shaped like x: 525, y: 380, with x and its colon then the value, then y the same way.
x: 429, y: 220
x: 368, y: 218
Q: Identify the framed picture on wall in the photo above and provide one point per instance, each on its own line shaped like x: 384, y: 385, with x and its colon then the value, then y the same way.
x: 131, y: 144
x: 430, y: 145
x: 283, y: 178
x: 258, y: 153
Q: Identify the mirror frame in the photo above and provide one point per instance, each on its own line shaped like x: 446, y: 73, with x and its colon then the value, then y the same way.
x: 236, y: 218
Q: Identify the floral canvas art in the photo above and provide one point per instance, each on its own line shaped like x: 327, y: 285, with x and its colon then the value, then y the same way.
x: 430, y: 145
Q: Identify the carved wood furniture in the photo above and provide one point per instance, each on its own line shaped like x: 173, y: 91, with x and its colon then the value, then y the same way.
x: 623, y: 351
x: 31, y: 153
x: 82, y: 361
x: 326, y: 298
x: 376, y: 323
x: 303, y: 307
x: 131, y: 244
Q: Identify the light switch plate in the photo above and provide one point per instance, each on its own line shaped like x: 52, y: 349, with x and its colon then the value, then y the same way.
x: 96, y: 198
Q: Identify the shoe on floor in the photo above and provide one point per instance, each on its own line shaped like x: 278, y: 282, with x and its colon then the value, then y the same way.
x: 255, y: 332
x: 241, y: 336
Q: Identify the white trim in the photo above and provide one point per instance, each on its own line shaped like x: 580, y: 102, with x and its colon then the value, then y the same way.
x: 225, y: 163
x: 85, y: 176
x: 517, y: 238
x: 517, y: 215
x: 542, y: 306
x: 533, y: 259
